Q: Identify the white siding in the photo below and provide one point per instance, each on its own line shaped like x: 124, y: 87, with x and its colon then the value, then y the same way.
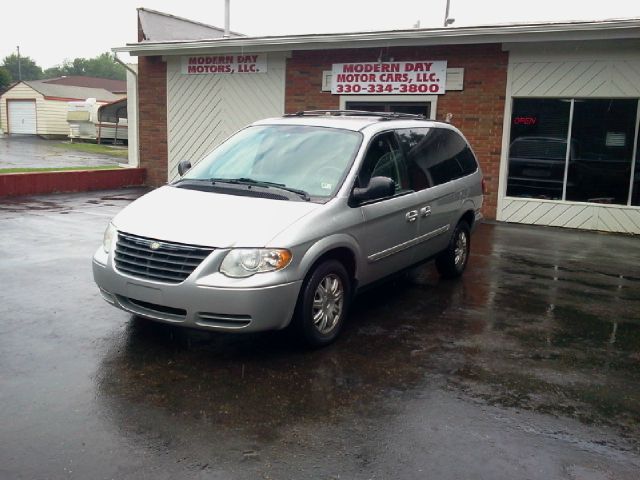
x: 203, y: 110
x: 608, y: 218
x: 575, y: 70
x: 52, y: 117
x: 132, y: 116
x: 572, y: 70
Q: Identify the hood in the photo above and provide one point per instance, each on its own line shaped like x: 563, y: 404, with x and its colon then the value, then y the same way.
x: 209, y: 219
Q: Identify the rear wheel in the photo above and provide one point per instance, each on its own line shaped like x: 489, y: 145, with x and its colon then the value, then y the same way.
x: 323, y: 303
x: 452, y: 261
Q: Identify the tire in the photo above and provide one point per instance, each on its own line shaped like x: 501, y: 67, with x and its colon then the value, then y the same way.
x: 452, y: 261
x: 318, y: 318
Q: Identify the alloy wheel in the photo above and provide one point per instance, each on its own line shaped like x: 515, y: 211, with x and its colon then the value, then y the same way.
x: 328, y: 301
x: 460, y: 251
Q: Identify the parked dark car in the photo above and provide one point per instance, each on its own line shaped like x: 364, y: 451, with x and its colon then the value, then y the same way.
x: 536, y: 167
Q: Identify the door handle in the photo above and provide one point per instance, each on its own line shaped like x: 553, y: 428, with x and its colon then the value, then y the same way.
x: 425, y: 211
x: 411, y: 215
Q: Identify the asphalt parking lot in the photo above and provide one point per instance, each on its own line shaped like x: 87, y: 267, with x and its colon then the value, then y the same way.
x: 527, y: 367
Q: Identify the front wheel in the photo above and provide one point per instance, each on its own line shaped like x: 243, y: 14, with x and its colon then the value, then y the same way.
x: 452, y: 261
x: 323, y: 303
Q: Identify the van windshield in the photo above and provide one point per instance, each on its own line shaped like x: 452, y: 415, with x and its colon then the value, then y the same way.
x: 311, y: 159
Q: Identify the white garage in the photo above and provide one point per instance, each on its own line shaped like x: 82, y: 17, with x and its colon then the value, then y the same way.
x: 22, y: 116
x: 39, y: 107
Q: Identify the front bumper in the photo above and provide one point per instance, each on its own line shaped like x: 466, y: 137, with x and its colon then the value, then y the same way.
x: 192, y: 304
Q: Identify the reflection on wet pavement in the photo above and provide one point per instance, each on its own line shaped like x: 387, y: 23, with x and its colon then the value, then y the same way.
x: 519, y: 330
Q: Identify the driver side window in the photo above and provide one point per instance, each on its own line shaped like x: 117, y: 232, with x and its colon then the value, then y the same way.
x: 384, y: 158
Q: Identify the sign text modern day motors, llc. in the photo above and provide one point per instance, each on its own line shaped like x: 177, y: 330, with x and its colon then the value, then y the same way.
x: 224, y: 64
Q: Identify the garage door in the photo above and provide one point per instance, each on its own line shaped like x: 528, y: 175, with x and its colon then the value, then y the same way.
x: 22, y: 117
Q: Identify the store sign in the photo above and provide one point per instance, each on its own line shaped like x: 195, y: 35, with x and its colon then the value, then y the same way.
x: 388, y: 78
x: 224, y: 64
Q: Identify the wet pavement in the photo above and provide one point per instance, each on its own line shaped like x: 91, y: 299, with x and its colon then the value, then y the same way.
x: 527, y: 367
x: 29, y: 151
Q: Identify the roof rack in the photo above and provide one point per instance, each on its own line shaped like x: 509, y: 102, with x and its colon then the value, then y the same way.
x: 356, y: 113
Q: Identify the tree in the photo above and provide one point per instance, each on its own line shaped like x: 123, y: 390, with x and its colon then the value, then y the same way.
x: 64, y: 69
x: 102, y: 66
x: 105, y: 66
x: 28, y: 68
x: 5, y: 79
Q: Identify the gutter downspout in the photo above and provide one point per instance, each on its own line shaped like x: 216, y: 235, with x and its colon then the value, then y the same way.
x: 134, y: 152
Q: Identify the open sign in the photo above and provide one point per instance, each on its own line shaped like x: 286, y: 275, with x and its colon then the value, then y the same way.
x: 525, y: 120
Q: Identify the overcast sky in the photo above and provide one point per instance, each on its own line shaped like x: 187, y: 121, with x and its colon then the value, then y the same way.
x: 50, y: 31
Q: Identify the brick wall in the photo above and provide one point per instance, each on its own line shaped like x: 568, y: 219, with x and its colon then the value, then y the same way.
x: 152, y: 121
x: 477, y: 110
x: 39, y: 183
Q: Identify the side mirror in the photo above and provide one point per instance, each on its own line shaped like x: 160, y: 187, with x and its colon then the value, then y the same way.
x: 379, y: 187
x: 183, y: 166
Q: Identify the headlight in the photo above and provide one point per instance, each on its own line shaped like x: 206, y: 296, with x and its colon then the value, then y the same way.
x: 244, y: 262
x: 109, y: 233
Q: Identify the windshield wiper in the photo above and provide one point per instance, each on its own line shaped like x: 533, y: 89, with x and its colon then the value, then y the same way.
x: 262, y: 183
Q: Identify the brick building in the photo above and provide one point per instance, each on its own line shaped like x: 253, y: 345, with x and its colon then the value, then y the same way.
x: 551, y: 110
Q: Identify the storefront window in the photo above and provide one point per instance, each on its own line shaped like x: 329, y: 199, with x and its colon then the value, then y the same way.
x: 602, y: 137
x: 538, y: 148
x: 600, y: 152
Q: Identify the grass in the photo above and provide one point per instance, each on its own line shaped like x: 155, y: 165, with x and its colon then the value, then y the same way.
x: 102, y: 149
x: 57, y: 169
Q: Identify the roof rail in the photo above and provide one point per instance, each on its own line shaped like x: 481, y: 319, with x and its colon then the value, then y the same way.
x: 356, y: 113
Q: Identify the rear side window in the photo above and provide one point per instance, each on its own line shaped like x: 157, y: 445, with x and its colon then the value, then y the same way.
x: 436, y: 155
x: 467, y: 160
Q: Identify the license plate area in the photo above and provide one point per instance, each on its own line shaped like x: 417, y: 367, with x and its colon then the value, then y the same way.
x: 142, y: 292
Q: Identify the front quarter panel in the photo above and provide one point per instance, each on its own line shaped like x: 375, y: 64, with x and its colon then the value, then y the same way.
x: 328, y: 228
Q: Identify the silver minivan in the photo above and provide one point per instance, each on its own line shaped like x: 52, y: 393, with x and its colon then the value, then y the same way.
x: 286, y: 220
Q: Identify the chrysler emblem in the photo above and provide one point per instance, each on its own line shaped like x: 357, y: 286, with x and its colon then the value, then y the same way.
x: 154, y: 245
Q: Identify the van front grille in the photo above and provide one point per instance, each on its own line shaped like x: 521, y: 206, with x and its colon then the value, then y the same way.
x: 157, y: 260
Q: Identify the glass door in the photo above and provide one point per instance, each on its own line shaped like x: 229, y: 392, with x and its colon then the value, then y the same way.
x: 416, y: 108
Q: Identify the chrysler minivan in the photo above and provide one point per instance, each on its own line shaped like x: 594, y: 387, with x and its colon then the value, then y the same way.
x: 286, y: 220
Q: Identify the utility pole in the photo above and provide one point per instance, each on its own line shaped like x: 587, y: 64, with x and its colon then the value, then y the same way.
x: 448, y: 21
x: 19, y: 67
x: 227, y: 18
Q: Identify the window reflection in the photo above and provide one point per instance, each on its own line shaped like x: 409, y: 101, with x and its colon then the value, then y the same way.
x: 538, y: 148
x: 599, y: 153
x: 600, y: 169
x: 436, y: 156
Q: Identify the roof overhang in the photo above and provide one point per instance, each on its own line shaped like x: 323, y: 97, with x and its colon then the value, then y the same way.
x: 514, y: 33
